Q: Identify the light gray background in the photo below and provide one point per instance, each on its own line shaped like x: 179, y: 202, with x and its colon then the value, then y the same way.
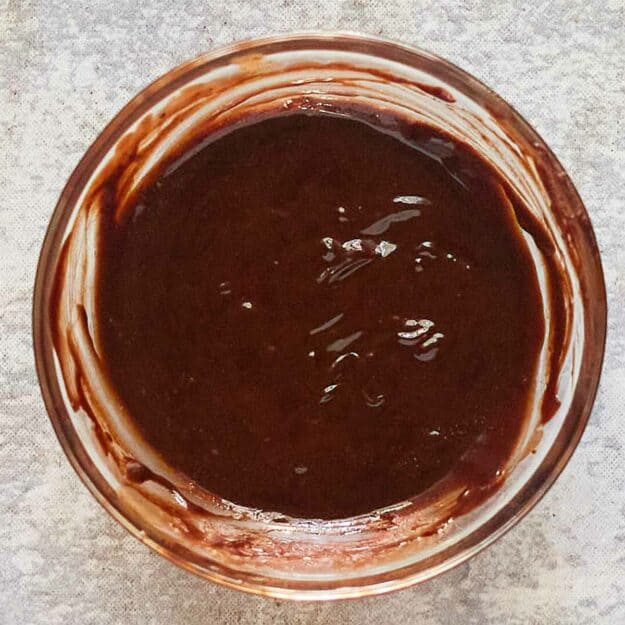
x: 65, y: 69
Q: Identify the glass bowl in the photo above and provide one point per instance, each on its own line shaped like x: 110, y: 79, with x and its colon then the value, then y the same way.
x: 271, y: 554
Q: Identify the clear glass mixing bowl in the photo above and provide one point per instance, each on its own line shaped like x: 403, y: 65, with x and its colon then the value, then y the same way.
x: 272, y: 554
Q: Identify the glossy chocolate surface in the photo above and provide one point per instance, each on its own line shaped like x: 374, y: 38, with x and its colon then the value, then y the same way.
x: 308, y: 315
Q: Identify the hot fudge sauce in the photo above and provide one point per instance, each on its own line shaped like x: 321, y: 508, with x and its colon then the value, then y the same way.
x: 312, y: 316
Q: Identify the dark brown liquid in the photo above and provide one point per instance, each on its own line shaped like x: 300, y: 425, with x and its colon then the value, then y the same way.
x: 310, y: 316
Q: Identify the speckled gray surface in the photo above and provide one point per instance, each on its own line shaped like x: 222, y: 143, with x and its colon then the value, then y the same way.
x: 65, y: 70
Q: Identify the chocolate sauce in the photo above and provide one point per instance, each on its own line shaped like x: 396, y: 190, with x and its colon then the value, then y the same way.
x: 309, y: 315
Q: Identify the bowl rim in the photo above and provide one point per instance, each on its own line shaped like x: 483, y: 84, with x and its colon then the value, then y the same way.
x: 522, y: 501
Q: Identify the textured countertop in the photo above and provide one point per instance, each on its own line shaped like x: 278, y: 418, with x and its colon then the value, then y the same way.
x: 65, y: 69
